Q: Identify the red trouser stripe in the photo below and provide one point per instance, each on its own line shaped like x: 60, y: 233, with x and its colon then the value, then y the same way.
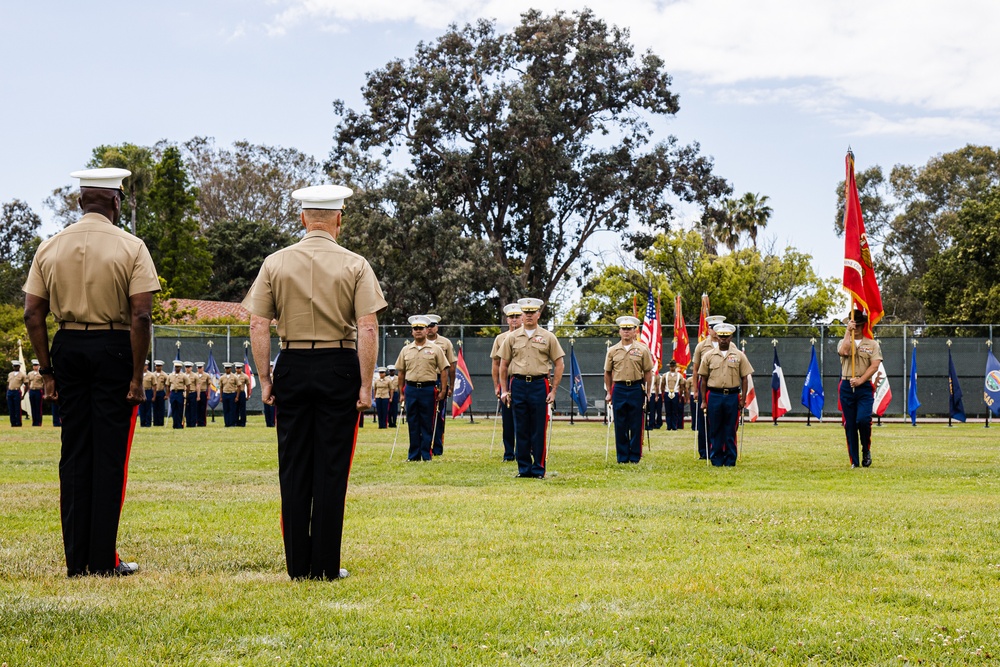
x: 128, y: 453
x: 548, y: 418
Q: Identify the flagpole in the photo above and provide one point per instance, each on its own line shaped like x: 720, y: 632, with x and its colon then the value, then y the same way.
x: 989, y: 345
x: 950, y: 388
x: 572, y: 343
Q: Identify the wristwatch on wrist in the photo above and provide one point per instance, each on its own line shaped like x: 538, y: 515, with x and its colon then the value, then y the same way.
x: 46, y: 370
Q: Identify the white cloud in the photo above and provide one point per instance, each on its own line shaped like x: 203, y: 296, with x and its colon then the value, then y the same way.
x: 931, y: 59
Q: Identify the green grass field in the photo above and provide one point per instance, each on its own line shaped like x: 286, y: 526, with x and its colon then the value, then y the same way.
x: 789, y: 558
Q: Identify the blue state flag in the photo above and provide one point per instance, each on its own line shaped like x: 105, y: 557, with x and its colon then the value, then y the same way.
x: 912, y: 402
x: 212, y: 368
x: 576, y: 391
x: 812, y: 390
x: 955, y: 408
x: 992, y: 393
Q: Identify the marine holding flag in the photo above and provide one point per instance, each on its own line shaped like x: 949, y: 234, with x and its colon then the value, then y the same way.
x: 860, y: 358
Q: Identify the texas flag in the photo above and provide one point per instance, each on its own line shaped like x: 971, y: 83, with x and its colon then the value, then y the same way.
x: 779, y: 392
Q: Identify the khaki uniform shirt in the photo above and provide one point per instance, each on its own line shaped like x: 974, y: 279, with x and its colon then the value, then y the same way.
x: 725, y: 370
x: 148, y: 379
x: 177, y: 382
x: 159, y: 381
x: 316, y: 289
x: 421, y: 364
x: 228, y: 383
x: 16, y: 380
x: 35, y: 380
x: 449, y: 349
x: 241, y: 382
x: 88, y: 271
x: 699, y: 351
x: 382, y: 387
x: 393, y: 383
x: 191, y: 382
x: 628, y: 365
x: 673, y: 383
x: 201, y: 382
x: 497, y: 342
x: 868, y: 352
x: 530, y: 356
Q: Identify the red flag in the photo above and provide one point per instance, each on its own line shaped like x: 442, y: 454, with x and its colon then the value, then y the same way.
x: 651, y: 334
x: 682, y: 345
x: 859, y: 276
x: 702, y: 324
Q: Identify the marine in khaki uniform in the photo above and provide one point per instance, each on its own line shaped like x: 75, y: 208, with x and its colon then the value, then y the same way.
x: 628, y: 374
x: 525, y: 358
x: 242, y: 390
x: 394, y: 397
x: 383, y: 393
x: 159, y: 393
x: 674, y: 391
x: 444, y: 392
x: 228, y: 386
x: 857, y: 397
x: 422, y: 366
x: 146, y: 407
x: 190, y: 396
x: 98, y: 282
x: 710, y: 343
x: 177, y: 384
x: 513, y: 313
x: 201, y: 379
x: 17, y: 380
x: 36, y: 385
x: 330, y: 332
x: 723, y: 384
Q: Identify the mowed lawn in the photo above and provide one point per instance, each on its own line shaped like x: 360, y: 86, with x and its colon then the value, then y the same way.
x: 789, y: 558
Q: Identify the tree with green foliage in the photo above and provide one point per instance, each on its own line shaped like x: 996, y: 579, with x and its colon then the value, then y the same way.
x: 140, y: 161
x: 534, y: 141
x: 238, y: 248
x: 423, y: 259
x: 912, y: 219
x: 18, y: 242
x: 962, y: 284
x: 747, y: 286
x: 172, y: 234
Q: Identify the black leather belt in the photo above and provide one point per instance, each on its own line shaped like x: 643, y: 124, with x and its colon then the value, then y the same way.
x: 529, y: 378
x: 725, y: 391
x: 418, y: 385
x: 87, y: 326
x: 627, y: 383
x: 318, y: 344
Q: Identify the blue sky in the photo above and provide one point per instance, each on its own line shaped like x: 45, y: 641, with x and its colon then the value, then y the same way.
x: 774, y: 90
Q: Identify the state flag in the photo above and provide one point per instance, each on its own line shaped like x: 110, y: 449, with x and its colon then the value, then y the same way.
x: 461, y: 398
x: 912, y: 401
x: 956, y: 410
x: 780, y: 404
x: 812, y: 389
x: 576, y: 391
x: 991, y: 393
x: 883, y: 392
x: 753, y: 409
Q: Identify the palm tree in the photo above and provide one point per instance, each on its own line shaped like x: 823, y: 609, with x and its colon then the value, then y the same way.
x: 753, y: 214
x: 728, y: 225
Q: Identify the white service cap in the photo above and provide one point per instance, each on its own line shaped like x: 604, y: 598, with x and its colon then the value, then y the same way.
x: 15, y: 363
x: 380, y: 369
x: 530, y: 305
x: 108, y: 177
x: 512, y: 309
x: 188, y: 364
x: 433, y: 319
x: 724, y: 329
x: 238, y: 364
x: 330, y: 197
x: 627, y: 321
x: 712, y: 320
x: 391, y: 367
x: 34, y: 362
x: 157, y: 363
x: 418, y: 320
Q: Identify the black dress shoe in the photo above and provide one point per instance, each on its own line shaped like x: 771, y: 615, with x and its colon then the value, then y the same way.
x: 124, y: 569
x: 866, y: 460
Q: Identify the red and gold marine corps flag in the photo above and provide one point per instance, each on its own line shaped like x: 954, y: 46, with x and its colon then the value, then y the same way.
x: 682, y: 345
x: 859, y: 276
x: 702, y: 324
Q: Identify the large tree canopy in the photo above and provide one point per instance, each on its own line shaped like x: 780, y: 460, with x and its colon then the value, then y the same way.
x: 749, y: 285
x: 535, y: 139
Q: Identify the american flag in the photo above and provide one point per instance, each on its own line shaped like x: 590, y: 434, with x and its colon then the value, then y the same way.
x: 652, y: 333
